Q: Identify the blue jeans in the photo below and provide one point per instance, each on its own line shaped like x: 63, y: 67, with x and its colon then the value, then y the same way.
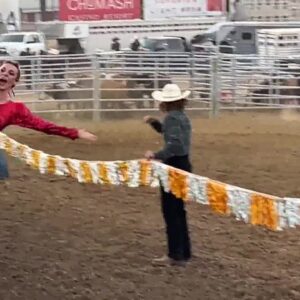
x: 3, y: 166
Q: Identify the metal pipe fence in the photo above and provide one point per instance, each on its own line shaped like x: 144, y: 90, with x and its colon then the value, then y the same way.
x: 123, y: 81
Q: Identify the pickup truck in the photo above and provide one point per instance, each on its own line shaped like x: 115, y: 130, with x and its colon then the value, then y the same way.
x: 14, y: 43
x: 164, y: 53
x: 165, y: 44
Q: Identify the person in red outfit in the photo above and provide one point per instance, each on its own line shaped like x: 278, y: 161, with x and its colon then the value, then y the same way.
x: 16, y: 113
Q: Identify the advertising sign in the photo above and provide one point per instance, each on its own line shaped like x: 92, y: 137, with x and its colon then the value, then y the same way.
x: 162, y: 9
x: 93, y: 10
x: 216, y: 5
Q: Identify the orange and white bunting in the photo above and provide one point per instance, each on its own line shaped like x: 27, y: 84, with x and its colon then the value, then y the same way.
x: 245, y: 205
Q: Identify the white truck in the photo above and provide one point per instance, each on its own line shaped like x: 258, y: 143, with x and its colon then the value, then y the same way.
x: 16, y: 42
x: 240, y: 37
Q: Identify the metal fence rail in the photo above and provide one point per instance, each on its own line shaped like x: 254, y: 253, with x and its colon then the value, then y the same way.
x: 123, y: 81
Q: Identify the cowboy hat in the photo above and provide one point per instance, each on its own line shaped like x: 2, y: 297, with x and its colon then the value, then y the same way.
x: 171, y: 92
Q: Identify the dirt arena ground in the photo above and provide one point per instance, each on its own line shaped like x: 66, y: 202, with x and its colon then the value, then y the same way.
x: 63, y: 240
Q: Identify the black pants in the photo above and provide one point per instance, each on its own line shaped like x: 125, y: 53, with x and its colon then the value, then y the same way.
x: 174, y: 214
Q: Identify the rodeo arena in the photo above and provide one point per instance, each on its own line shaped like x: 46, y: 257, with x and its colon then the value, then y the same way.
x: 122, y: 214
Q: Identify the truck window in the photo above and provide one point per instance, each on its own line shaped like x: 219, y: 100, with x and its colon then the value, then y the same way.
x: 247, y: 36
x: 13, y: 38
x: 30, y: 39
x: 175, y: 45
x: 36, y: 38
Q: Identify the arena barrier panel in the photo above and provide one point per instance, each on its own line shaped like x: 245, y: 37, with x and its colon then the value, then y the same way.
x: 105, y: 84
x: 252, y: 207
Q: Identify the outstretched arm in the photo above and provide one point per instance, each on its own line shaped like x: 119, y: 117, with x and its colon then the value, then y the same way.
x: 154, y: 123
x: 25, y: 118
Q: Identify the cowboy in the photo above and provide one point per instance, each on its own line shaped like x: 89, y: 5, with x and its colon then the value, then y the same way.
x: 115, y: 45
x: 135, y: 45
x: 176, y: 130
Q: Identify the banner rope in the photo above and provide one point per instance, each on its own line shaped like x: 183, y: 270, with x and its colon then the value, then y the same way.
x: 252, y: 207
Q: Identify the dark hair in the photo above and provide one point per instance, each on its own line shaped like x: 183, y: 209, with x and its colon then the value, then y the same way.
x: 16, y: 64
x: 174, y: 105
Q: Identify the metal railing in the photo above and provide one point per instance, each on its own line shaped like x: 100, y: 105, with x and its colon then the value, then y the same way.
x: 119, y: 82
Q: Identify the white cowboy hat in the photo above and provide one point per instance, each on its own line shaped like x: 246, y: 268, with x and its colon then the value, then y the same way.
x: 171, y: 92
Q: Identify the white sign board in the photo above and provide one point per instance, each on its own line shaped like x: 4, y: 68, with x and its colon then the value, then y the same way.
x: 162, y: 9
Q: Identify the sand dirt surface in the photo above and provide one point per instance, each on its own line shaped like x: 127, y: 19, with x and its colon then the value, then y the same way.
x: 64, y: 240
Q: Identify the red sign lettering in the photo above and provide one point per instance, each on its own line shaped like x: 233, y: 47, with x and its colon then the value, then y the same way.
x: 93, y: 10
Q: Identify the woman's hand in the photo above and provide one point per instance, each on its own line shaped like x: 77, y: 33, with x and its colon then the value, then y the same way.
x: 84, y: 134
x: 149, y: 155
